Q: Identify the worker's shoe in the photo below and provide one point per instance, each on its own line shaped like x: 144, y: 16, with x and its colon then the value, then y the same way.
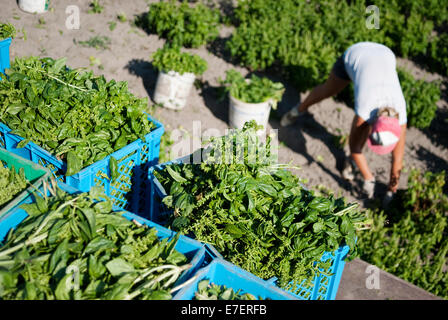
x: 387, y: 199
x: 348, y: 170
x: 368, y: 187
x: 290, y: 117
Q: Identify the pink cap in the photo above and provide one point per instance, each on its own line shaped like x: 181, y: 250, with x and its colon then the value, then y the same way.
x: 385, y: 134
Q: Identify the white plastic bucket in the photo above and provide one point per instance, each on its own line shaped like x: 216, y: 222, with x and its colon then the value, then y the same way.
x: 172, y: 89
x: 240, y: 112
x: 34, y: 6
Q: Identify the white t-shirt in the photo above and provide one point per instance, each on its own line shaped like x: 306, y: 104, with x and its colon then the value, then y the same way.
x: 372, y: 68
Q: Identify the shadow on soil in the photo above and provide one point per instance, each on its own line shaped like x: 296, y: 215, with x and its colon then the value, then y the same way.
x: 215, y: 99
x: 293, y: 137
x: 219, y: 49
x: 146, y: 71
x: 141, y: 21
x: 438, y: 130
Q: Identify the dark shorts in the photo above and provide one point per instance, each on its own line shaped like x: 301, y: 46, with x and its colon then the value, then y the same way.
x: 339, y: 69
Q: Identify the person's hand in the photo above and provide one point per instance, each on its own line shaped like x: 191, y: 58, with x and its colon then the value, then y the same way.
x: 290, y: 117
x: 393, y: 183
x: 388, y: 198
x: 368, y: 187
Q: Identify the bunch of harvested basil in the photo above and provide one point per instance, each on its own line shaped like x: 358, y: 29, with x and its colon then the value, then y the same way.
x: 76, y: 247
x: 7, y: 30
x: 11, y: 183
x: 212, y: 291
x: 256, y: 213
x: 76, y: 116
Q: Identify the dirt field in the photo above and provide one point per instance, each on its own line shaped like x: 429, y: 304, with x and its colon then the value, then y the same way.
x: 309, y: 143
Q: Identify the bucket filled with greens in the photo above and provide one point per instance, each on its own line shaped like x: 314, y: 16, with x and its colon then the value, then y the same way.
x: 251, y: 99
x: 177, y: 73
x: 7, y: 33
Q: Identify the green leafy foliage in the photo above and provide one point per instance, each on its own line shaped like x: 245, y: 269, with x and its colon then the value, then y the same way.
x: 212, y: 291
x: 7, y: 30
x: 95, y: 7
x: 279, y: 33
x: 439, y: 54
x: 12, y: 182
x: 122, y: 17
x: 182, y: 24
x: 410, y: 239
x: 97, y: 42
x: 171, y: 58
x: 421, y: 98
x: 76, y: 247
x: 256, y: 213
x: 76, y: 116
x: 304, y: 38
x: 253, y: 90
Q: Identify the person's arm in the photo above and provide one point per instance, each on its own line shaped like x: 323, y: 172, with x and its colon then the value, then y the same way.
x: 358, y: 136
x: 397, y: 161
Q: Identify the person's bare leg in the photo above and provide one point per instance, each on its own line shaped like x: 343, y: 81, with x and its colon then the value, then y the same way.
x: 329, y: 88
x: 358, y: 136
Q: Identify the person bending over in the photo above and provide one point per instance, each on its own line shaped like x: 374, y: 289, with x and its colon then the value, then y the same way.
x: 380, y: 109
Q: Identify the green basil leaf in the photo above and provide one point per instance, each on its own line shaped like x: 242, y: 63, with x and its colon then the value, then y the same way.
x: 23, y: 143
x: 113, y: 168
x: 175, y: 175
x: 118, y: 267
x: 74, y: 164
x: 99, y: 243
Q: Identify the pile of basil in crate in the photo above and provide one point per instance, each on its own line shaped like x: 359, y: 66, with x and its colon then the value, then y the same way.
x: 258, y: 215
x: 86, y: 130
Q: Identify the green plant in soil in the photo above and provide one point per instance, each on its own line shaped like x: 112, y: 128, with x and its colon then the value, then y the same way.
x: 409, y: 239
x: 76, y: 247
x: 171, y: 58
x: 112, y: 25
x: 421, y: 98
x: 270, y: 32
x: 97, y: 42
x: 253, y: 90
x: 212, y: 291
x: 182, y: 24
x: 7, y: 30
x: 255, y: 212
x: 78, y: 117
x: 439, y: 54
x: 95, y: 7
x: 12, y: 182
x: 122, y: 17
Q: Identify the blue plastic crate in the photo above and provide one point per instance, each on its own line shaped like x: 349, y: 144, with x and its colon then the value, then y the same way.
x: 195, y: 251
x: 4, y: 54
x: 34, y: 174
x: 323, y: 287
x: 130, y: 190
x: 221, y: 272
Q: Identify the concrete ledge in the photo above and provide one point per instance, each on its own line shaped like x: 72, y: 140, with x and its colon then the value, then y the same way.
x: 357, y: 275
